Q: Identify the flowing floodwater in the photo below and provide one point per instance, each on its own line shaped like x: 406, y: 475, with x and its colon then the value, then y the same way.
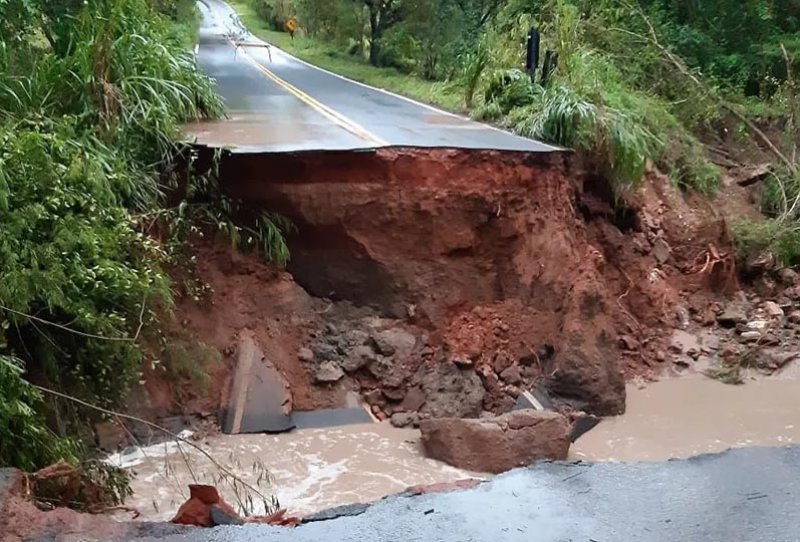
x: 311, y: 470
x: 682, y: 417
x: 321, y: 468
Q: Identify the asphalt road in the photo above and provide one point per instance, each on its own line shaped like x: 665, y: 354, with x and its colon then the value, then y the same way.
x: 277, y: 103
x: 746, y: 495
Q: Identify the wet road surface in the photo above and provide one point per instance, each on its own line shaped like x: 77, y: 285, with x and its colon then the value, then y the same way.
x: 744, y: 495
x: 277, y: 103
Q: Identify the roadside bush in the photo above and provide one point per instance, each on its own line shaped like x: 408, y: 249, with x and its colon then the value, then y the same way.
x: 778, y: 237
x: 509, y: 89
x: 92, y: 97
x: 273, y: 12
x: 25, y: 440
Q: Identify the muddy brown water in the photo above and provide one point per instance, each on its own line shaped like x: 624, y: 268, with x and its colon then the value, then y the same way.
x: 312, y: 469
x: 317, y: 469
x: 683, y: 417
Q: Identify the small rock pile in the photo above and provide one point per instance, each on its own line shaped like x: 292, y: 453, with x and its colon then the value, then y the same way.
x: 748, y: 332
x: 395, y: 370
x: 478, y: 369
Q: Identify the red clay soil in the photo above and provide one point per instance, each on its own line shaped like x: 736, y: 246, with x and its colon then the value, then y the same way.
x: 518, y: 266
x: 251, y: 295
x: 504, y: 259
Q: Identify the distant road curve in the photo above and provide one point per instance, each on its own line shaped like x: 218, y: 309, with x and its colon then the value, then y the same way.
x: 278, y: 103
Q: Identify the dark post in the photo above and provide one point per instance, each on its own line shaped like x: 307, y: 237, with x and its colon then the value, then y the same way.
x: 532, y: 59
x: 549, y: 65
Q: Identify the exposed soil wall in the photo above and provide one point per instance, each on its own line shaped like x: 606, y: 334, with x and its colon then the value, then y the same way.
x: 444, y: 282
x: 484, y: 250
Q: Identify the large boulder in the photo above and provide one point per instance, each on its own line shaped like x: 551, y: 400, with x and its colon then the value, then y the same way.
x: 451, y: 391
x: 497, y: 444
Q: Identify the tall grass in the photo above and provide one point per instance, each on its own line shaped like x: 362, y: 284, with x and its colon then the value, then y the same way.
x: 92, y: 98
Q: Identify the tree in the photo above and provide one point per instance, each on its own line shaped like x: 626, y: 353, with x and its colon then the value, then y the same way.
x: 382, y: 15
x: 479, y: 12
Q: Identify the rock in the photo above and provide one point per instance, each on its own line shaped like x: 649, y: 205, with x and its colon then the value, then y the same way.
x: 732, y: 315
x: 661, y: 250
x: 626, y: 342
x: 789, y: 277
x: 495, y: 398
x: 683, y: 317
x: 462, y: 361
x: 374, y: 397
x: 356, y: 337
x: 109, y: 436
x: 582, y: 423
x: 305, y: 354
x: 394, y: 341
x: 760, y: 263
x: 794, y: 317
x: 394, y: 394
x: 501, y: 362
x: 197, y: 509
x: 404, y: 419
x: 773, y: 309
x: 325, y: 352
x: 792, y: 293
x: 750, y: 336
x: 223, y: 516
x: 358, y: 358
x: 413, y: 400
x: 755, y: 325
x: 497, y: 444
x: 511, y: 375
x: 752, y: 175
x: 381, y: 367
x: 328, y: 372
x: 451, y: 391
x: 331, y: 329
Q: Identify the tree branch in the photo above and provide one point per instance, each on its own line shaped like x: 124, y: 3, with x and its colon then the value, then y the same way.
x: 681, y: 67
x: 157, y: 427
x: 81, y: 333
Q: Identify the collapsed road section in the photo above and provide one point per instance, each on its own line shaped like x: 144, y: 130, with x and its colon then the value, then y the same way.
x: 445, y: 283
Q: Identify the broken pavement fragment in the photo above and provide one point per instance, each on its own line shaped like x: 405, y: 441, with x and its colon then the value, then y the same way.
x: 497, y: 444
x: 260, y: 398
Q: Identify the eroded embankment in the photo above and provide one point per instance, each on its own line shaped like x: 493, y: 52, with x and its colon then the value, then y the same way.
x: 443, y: 281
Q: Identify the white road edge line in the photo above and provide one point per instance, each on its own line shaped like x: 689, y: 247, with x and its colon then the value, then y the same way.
x: 334, y: 116
x: 409, y: 100
x: 390, y: 93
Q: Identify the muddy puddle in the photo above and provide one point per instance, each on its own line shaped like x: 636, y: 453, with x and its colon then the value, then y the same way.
x: 312, y: 469
x: 682, y: 417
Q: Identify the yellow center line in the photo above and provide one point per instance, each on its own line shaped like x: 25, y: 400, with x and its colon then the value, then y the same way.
x: 335, y: 117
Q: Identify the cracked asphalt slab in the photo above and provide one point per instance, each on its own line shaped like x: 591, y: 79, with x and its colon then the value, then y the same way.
x: 742, y: 495
x: 278, y: 103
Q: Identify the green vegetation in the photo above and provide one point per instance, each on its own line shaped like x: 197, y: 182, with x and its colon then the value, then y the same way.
x: 92, y: 97
x: 336, y: 59
x: 637, y: 82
